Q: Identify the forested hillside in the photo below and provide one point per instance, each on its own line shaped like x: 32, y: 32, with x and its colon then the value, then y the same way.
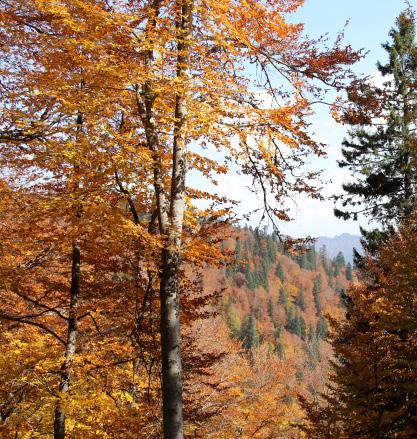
x: 275, y: 303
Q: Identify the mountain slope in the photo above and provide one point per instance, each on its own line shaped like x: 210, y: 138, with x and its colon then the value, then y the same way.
x: 274, y: 308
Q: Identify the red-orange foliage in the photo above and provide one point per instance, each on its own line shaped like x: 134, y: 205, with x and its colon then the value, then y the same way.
x: 106, y: 107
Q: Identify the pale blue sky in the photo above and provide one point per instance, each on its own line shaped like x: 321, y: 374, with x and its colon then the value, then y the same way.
x: 370, y: 22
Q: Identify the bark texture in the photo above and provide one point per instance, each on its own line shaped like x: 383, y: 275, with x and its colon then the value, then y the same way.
x: 65, y: 374
x: 171, y: 259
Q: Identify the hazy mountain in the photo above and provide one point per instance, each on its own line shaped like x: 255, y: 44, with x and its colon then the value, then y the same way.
x: 344, y: 243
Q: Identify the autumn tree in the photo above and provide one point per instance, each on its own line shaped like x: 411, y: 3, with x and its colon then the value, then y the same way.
x: 206, y: 40
x: 372, y: 389
x: 68, y: 160
x: 47, y: 102
x: 116, y: 98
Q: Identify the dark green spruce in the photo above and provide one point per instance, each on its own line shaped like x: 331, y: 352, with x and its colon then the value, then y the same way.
x: 381, y: 148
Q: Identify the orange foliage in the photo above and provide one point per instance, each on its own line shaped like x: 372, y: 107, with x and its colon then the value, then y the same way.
x: 90, y: 132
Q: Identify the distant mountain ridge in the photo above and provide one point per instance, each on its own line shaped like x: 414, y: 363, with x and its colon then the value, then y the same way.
x: 344, y: 243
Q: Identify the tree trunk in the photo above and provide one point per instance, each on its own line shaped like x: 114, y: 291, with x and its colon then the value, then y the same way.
x: 171, y: 256
x: 59, y: 422
x: 170, y: 343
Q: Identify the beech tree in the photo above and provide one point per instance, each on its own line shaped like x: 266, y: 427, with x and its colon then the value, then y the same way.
x: 196, y: 90
x: 125, y: 98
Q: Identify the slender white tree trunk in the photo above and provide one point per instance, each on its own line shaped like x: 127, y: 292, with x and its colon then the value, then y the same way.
x: 171, y: 257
